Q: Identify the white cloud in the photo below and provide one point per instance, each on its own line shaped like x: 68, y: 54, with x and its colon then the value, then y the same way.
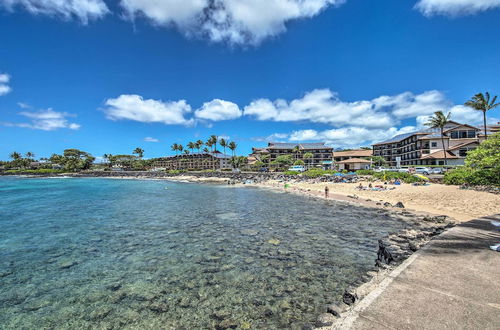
x: 23, y: 105
x: 150, y: 139
x: 351, y: 136
x: 4, y: 80
x: 134, y: 107
x: 233, y: 21
x: 324, y: 106
x: 455, y: 7
x: 84, y: 10
x: 46, y: 120
x: 216, y: 110
x: 459, y: 113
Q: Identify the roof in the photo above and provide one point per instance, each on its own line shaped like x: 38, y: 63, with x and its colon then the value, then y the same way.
x: 354, y: 153
x: 397, y: 138
x: 439, y: 155
x: 354, y: 160
x: 302, y: 146
x: 462, y: 145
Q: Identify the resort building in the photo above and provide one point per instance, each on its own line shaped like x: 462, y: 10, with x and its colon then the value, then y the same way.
x: 195, y: 161
x: 339, y: 156
x: 321, y: 154
x: 425, y: 147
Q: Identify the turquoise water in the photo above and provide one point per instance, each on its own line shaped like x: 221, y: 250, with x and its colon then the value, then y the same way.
x: 130, y: 254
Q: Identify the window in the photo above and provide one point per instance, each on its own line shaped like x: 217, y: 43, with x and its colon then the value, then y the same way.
x: 454, y: 135
x: 471, y: 134
x: 434, y: 144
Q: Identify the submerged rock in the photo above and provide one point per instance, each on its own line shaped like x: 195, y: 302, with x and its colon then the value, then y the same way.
x: 274, y: 241
x: 67, y: 264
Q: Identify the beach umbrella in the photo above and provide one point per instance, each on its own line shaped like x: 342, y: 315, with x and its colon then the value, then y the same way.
x: 420, y: 176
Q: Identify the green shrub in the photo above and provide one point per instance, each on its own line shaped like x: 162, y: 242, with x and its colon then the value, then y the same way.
x: 176, y: 171
x: 315, y: 172
x: 365, y: 172
x: 291, y: 173
x: 467, y: 175
x: 39, y: 171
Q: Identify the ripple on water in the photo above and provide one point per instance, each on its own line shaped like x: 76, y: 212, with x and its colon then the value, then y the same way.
x: 97, y: 253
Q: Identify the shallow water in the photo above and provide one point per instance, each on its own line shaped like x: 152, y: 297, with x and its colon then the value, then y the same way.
x: 104, y: 253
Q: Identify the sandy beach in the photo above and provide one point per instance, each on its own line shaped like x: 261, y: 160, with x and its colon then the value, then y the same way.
x: 462, y: 205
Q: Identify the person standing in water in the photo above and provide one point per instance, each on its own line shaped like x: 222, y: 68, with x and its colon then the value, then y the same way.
x: 326, y: 191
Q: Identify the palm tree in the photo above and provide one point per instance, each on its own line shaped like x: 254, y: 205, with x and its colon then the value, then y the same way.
x: 223, y: 144
x: 139, y: 152
x: 232, y: 146
x: 175, y: 147
x: 199, y: 144
x: 214, y: 139
x: 186, y: 152
x: 206, y: 150
x: 307, y: 157
x: 180, y: 147
x: 30, y: 155
x: 191, y: 145
x: 209, y: 144
x: 15, y: 155
x: 296, y: 151
x: 481, y: 102
x: 439, y: 120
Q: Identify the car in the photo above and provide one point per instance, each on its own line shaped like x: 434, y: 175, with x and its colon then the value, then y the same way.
x: 263, y: 169
x: 437, y: 170
x: 236, y: 170
x: 297, y: 168
x: 403, y: 170
x: 422, y: 170
x: 380, y: 169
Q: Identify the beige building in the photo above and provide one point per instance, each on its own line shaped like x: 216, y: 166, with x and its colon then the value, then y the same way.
x: 425, y: 147
x: 321, y: 154
x: 195, y: 161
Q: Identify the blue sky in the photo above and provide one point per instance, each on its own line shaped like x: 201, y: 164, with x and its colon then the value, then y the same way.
x: 106, y: 76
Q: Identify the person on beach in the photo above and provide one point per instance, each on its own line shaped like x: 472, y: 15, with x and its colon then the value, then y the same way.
x: 326, y: 191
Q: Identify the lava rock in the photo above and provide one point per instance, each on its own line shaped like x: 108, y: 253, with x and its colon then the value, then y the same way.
x: 349, y: 297
x: 334, y: 310
x: 325, y: 320
x: 400, y: 205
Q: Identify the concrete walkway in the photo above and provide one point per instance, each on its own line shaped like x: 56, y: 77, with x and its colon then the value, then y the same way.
x: 452, y: 283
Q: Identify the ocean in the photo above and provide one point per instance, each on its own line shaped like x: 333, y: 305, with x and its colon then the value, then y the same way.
x: 88, y: 253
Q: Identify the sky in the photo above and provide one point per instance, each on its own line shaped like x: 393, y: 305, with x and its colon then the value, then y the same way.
x: 107, y: 76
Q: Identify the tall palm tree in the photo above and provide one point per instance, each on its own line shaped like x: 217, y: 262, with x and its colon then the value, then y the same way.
x: 296, y: 151
x: 174, y: 147
x: 30, y: 155
x: 206, y: 150
x: 180, y: 147
x: 481, y: 102
x: 307, y: 157
x: 139, y: 152
x: 214, y: 139
x: 439, y: 120
x: 232, y: 146
x: 199, y: 144
x: 209, y: 144
x: 223, y: 144
x: 15, y: 155
x: 191, y: 145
